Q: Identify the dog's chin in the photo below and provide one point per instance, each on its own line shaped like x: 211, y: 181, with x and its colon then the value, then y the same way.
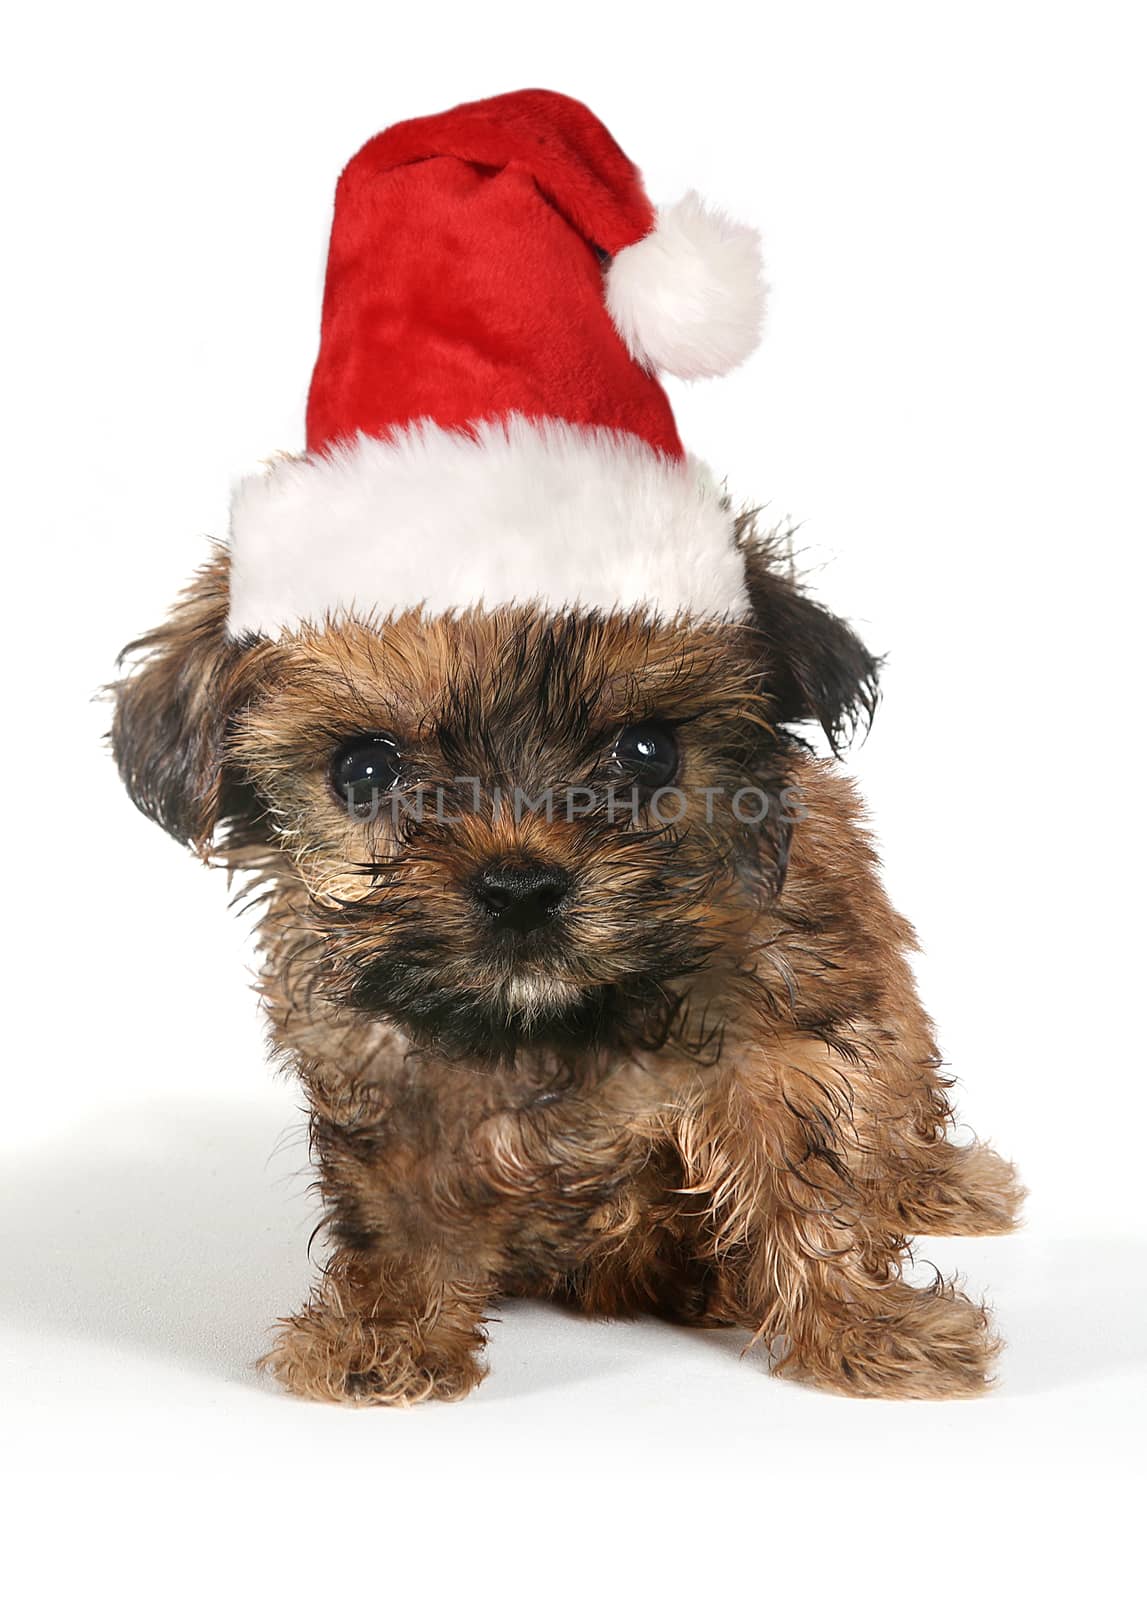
x: 524, y: 1013
x: 461, y: 1025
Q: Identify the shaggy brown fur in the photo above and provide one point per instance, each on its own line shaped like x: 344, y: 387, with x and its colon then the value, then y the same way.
x: 706, y: 1090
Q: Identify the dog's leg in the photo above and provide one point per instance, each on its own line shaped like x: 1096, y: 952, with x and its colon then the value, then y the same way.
x: 827, y: 1296
x: 811, y: 1258
x: 383, y: 1331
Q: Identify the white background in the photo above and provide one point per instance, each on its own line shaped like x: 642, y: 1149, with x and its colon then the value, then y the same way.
x: 950, y: 399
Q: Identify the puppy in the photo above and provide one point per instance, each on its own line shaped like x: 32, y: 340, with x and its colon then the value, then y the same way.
x: 578, y: 951
x: 678, y: 1068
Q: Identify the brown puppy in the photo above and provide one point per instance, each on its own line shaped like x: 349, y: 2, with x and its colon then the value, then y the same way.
x: 582, y: 959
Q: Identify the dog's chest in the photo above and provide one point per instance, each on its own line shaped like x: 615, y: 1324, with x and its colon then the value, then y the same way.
x: 495, y: 1164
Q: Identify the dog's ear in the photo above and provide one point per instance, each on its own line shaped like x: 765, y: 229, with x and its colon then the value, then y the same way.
x: 817, y: 670
x: 174, y: 709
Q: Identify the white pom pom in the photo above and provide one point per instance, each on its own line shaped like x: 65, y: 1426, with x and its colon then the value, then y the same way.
x: 689, y: 298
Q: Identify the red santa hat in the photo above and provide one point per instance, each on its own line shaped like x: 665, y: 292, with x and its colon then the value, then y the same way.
x: 485, y: 422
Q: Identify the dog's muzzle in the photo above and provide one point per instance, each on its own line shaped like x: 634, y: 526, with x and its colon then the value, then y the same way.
x: 519, y: 899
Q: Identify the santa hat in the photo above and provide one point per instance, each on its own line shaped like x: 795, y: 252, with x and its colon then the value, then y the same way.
x: 485, y: 422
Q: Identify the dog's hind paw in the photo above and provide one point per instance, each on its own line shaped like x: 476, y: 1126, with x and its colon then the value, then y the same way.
x: 963, y: 1189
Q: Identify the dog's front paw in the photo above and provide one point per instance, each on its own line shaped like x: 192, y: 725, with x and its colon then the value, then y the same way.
x: 324, y: 1354
x: 921, y: 1344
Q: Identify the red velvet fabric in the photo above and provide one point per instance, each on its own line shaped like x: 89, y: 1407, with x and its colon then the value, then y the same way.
x: 463, y: 280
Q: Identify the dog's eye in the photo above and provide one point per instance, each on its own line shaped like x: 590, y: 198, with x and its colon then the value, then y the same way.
x: 364, y: 768
x: 647, y: 753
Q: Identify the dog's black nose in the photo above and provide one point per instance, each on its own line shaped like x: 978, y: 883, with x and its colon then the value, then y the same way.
x: 519, y: 898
